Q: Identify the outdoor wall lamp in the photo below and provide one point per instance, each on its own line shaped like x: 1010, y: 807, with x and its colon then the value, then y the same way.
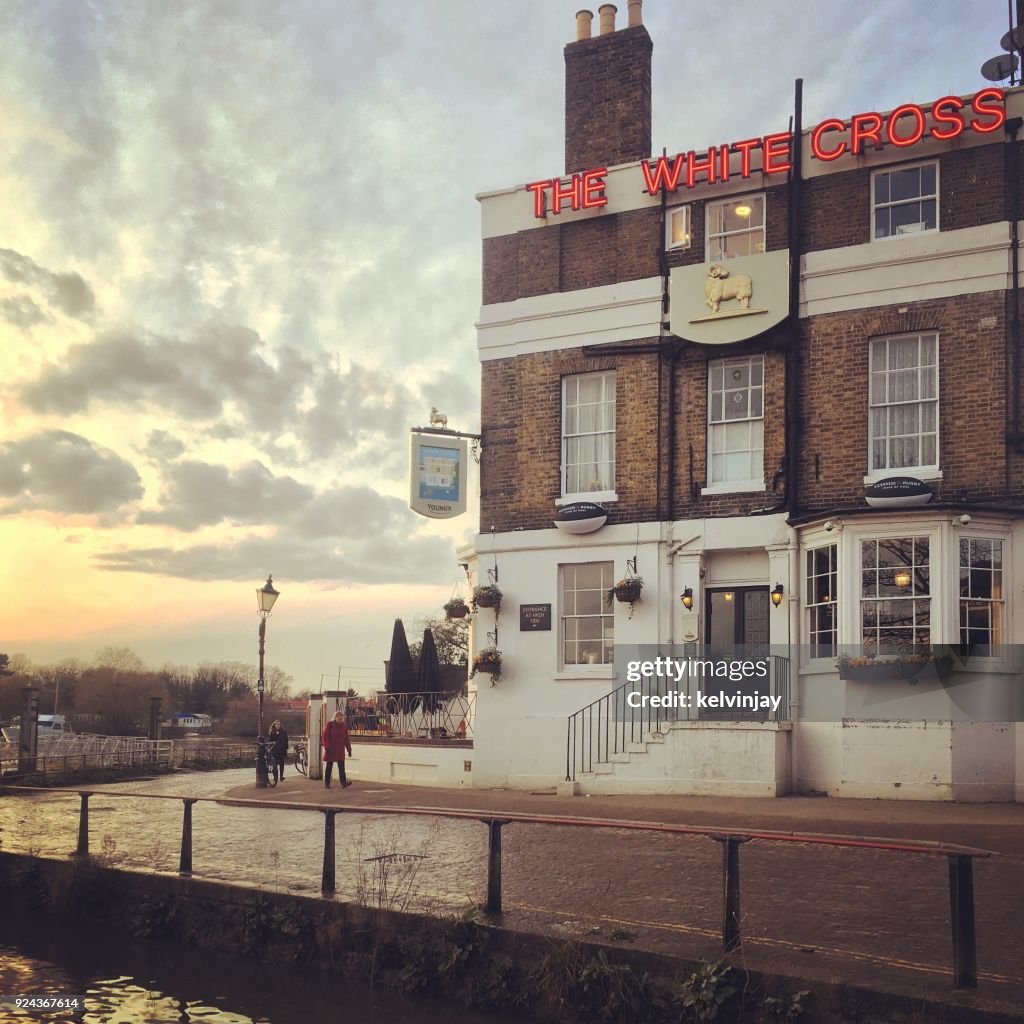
x: 687, y: 598
x: 776, y: 595
x: 265, y: 598
x: 902, y: 579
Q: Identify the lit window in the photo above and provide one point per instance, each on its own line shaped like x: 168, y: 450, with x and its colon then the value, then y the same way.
x: 905, y: 202
x: 904, y: 403
x: 588, y: 621
x: 981, y: 596
x: 736, y: 421
x: 822, y: 600
x: 588, y: 433
x: 677, y: 228
x: 895, y: 589
x: 735, y: 228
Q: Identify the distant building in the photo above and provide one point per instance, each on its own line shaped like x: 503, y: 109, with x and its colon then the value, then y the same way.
x: 187, y: 721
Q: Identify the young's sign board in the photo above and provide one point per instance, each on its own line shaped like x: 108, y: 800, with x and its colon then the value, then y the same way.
x: 437, y: 470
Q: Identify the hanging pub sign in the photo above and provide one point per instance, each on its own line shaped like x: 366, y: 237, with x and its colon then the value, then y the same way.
x: 437, y: 470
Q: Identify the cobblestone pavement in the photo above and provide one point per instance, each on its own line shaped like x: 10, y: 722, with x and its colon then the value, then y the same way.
x: 856, y: 915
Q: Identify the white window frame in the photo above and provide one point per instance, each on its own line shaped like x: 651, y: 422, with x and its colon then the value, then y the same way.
x: 996, y: 605
x: 910, y: 596
x: 605, y: 492
x: 891, y: 204
x: 605, y: 664
x: 709, y: 237
x: 678, y: 215
x: 753, y: 483
x: 923, y: 470
x: 831, y: 600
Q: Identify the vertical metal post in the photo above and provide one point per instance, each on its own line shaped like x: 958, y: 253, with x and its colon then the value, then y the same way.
x: 961, y: 915
x: 185, y: 862
x: 83, y: 827
x: 731, y: 937
x: 262, y: 768
x: 327, y: 884
x: 493, y: 905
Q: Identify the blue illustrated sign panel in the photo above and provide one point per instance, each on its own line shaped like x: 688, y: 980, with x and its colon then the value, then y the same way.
x: 439, y: 473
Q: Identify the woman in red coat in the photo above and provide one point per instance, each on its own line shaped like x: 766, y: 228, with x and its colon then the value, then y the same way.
x: 334, y: 739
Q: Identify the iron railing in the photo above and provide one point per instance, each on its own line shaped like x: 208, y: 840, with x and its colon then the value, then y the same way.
x: 960, y: 858
x: 435, y: 716
x: 119, y: 752
x: 611, y: 724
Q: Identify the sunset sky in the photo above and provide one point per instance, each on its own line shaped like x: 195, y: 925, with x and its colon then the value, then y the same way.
x: 239, y: 259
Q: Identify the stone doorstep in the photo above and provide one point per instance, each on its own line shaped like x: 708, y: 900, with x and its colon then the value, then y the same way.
x: 844, y: 998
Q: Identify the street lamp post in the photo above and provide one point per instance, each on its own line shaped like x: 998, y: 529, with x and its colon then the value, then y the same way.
x: 265, y: 598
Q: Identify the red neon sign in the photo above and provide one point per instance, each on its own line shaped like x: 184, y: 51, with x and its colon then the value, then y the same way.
x: 832, y: 138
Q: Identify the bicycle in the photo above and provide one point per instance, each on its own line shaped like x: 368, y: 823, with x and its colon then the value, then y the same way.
x: 300, y: 757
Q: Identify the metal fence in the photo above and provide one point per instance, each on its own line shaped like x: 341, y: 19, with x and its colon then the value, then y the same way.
x: 88, y: 753
x: 435, y: 716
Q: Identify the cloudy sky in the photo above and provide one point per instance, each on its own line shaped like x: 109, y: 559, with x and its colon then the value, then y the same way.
x: 239, y: 258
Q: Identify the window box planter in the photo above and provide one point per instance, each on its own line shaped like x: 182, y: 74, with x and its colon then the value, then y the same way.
x: 456, y: 608
x: 487, y: 597
x: 910, y: 669
x: 488, y: 662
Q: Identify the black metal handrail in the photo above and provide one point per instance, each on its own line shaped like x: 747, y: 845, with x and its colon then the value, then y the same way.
x: 607, y: 726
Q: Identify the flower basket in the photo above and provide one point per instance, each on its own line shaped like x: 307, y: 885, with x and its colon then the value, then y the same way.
x: 487, y: 597
x: 456, y: 608
x: 487, y: 661
x: 906, y: 669
x: 627, y: 591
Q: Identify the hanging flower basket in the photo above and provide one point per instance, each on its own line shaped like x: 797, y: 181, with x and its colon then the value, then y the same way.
x: 487, y: 597
x: 456, y: 608
x: 487, y: 661
x: 902, y: 668
x: 626, y: 591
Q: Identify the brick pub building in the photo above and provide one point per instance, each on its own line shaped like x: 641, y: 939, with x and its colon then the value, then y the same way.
x: 787, y: 371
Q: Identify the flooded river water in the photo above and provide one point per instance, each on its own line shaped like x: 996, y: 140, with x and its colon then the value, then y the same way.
x: 132, y: 982
x: 394, y: 861
x: 397, y: 862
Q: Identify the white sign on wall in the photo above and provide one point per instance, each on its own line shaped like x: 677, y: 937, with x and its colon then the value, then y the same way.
x: 437, y: 472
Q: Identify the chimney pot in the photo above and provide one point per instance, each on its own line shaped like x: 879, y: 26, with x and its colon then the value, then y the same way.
x: 636, y: 16
x: 607, y: 13
x: 583, y: 21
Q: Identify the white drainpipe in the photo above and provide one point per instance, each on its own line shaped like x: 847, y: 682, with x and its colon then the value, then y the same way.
x: 793, y: 641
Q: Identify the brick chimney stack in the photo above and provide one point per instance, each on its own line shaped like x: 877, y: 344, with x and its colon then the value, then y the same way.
x: 608, y: 91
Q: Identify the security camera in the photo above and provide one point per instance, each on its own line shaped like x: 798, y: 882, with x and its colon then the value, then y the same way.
x: 964, y: 519
x: 829, y: 525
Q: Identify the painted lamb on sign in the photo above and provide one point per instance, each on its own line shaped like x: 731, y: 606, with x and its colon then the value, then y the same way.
x: 438, y: 419
x: 717, y: 288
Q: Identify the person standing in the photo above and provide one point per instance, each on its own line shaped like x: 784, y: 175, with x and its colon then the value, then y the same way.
x: 278, y: 746
x: 335, y: 742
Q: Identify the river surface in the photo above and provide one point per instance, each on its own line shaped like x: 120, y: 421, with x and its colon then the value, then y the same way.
x: 398, y: 862
x: 132, y: 982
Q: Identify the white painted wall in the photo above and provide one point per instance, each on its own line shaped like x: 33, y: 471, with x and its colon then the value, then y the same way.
x: 410, y: 765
